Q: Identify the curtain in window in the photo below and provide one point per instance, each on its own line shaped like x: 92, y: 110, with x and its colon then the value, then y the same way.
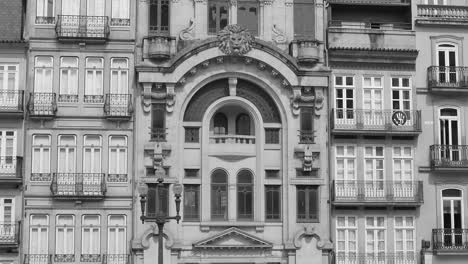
x: 91, y: 235
x: 43, y: 74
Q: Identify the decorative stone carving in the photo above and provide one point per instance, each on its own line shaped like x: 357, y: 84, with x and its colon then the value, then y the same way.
x: 308, y: 159
x: 188, y: 33
x: 278, y: 35
x: 306, y: 96
x: 158, y: 156
x: 235, y: 40
x: 318, y: 100
x: 308, y: 51
x: 309, y: 231
x: 159, y: 47
x: 232, y: 238
x: 167, y: 94
x: 233, y: 2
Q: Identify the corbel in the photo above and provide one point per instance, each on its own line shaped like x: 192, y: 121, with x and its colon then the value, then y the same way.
x: 146, y: 98
x: 170, y: 97
x: 318, y: 100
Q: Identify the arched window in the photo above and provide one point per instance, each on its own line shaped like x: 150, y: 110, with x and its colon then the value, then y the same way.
x: 449, y: 134
x: 243, y: 124
x: 447, y: 61
x: 244, y: 195
x: 220, y: 124
x: 219, y: 197
x: 452, y: 218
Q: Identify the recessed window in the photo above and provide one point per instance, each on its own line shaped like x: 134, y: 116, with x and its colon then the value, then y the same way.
x: 272, y: 135
x: 218, y: 15
x: 307, y: 203
x: 302, y: 173
x: 272, y: 202
x: 304, y: 19
x: 306, y: 132
x: 158, y: 200
x: 159, y: 17
x: 191, y: 202
x: 192, y: 134
x: 65, y: 236
x: 120, y: 13
x: 272, y: 174
x: 247, y: 15
x: 243, y: 124
x: 40, y: 170
x: 219, y: 196
x: 94, y: 82
x: 158, y: 122
x: 43, y: 74
x: 91, y: 235
x: 45, y: 12
x: 192, y: 173
x: 244, y: 195
x: 220, y: 123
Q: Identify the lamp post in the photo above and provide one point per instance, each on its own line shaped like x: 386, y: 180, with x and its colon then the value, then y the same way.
x: 160, y: 217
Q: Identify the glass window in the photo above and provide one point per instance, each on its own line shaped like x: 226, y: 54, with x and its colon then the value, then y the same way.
x: 118, y: 159
x: 220, y: 124
x: 344, y: 96
x: 244, y: 195
x: 218, y: 15
x: 375, y: 236
x: 92, y: 149
x: 8, y: 151
x: 117, y: 238
x: 159, y: 17
x: 374, y: 171
x: 243, y: 124
x: 304, y: 19
x: 66, y: 154
x: 39, y: 235
x: 191, y: 202
x: 158, y: 121
x: 405, y: 244
x: 346, y: 239
x: 247, y: 15
x: 45, y: 12
x: 120, y: 13
x: 158, y: 200
x: 192, y: 134
x: 219, y: 196
x: 307, y: 203
x: 91, y: 234
x: 94, y: 80
x: 119, y: 76
x: 7, y: 217
x: 65, y: 235
x: 306, y: 132
x: 272, y: 135
x: 68, y: 79
x: 272, y: 202
x: 43, y: 74
x: 40, y: 156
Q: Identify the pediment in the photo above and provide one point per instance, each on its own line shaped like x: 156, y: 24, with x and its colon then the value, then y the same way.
x: 232, y: 238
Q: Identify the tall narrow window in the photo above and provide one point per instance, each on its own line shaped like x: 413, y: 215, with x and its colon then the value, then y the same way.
x: 159, y: 17
x: 272, y: 203
x: 7, y: 217
x: 119, y: 76
x: 91, y: 235
x: 452, y: 220
x: 39, y: 236
x: 306, y: 132
x: 66, y: 154
x: 304, y: 19
x: 447, y: 63
x: 374, y: 171
x: 403, y: 172
x: 344, y: 96
x: 120, y: 13
x: 307, y: 203
x: 158, y: 200
x: 68, y: 79
x: 243, y: 124
x: 191, y: 202
x: 40, y: 169
x: 158, y: 122
x: 245, y: 195
x: 118, y: 159
x: 8, y: 152
x: 43, y: 74
x: 92, y: 154
x: 45, y: 12
x: 375, y: 237
x: 405, y: 238
x: 71, y: 8
x: 10, y: 97
x: 401, y: 96
x: 219, y: 196
x: 95, y: 8
x: 449, y: 135
x: 345, y: 167
x: 247, y: 15
x: 218, y: 15
x: 373, y: 101
x: 94, y: 80
x: 117, y: 239
x: 346, y: 239
x: 220, y: 124
x: 65, y: 237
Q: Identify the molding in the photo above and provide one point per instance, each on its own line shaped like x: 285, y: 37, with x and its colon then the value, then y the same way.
x: 153, y: 232
x: 309, y: 231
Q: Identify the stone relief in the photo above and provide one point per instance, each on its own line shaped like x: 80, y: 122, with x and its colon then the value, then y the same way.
x: 188, y: 33
x: 159, y: 93
x: 278, y: 35
x: 235, y: 40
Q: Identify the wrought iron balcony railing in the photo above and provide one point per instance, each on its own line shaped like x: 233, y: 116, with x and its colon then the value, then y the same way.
x: 82, y: 27
x: 9, y: 233
x: 118, y: 106
x: 232, y: 139
x: 443, y: 11
x: 306, y: 136
x: 11, y: 167
x: 345, y: 191
x: 376, y: 258
x: 11, y: 101
x: 385, y: 121
x: 158, y: 134
x: 449, y: 156
x: 369, y: 25
x: 37, y: 259
x: 445, y: 77
x: 78, y: 185
x: 446, y: 239
x: 116, y: 259
x: 64, y: 258
x: 42, y: 105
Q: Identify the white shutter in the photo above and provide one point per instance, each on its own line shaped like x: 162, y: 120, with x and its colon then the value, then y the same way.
x: 117, y: 235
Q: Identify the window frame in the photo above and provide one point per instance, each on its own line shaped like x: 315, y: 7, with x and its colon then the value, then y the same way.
x: 246, y: 187
x: 3, y: 205
x: 47, y: 83
x: 402, y: 158
x: 122, y: 86
x: 344, y: 87
x: 67, y: 149
x: 117, y: 227
x: 120, y: 20
x: 66, y: 229
x: 452, y: 198
x: 91, y: 228
x: 302, y: 35
x: 373, y: 88
x: 41, y: 148
x: 118, y: 163
x: 218, y: 4
x: 404, y: 240
x: 224, y: 185
x: 69, y: 95
x: 375, y: 228
x: 308, y: 190
x: 274, y: 218
x: 159, y: 10
x: 347, y: 228
x: 41, y: 229
x: 94, y: 89
x: 47, y: 20
x: 374, y: 158
x: 249, y: 4
x: 196, y: 216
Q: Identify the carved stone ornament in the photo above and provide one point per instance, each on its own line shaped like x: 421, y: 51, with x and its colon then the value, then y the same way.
x: 308, y: 158
x: 167, y: 94
x: 307, y: 96
x: 187, y: 33
x: 158, y: 157
x: 235, y: 40
x: 278, y: 35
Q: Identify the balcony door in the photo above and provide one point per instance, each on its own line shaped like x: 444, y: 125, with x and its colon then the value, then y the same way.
x: 449, y: 134
x: 7, y: 152
x: 374, y: 172
x: 70, y: 22
x: 7, y: 222
x: 373, y: 102
x: 9, y: 97
x: 452, y: 218
x: 447, y: 62
x: 95, y: 22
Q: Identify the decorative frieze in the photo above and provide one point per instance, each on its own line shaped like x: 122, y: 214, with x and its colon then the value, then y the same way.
x: 235, y: 40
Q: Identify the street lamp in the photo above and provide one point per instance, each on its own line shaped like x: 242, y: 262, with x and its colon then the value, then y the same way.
x: 161, y: 217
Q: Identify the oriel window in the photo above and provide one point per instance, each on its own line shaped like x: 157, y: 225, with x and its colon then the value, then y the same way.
x: 159, y: 17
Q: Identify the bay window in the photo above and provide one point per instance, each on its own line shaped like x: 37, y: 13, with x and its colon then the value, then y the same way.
x: 94, y: 80
x: 68, y: 79
x: 40, y: 169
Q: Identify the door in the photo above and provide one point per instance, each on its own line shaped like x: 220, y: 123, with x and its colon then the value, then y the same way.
x: 373, y: 109
x: 8, y: 153
x: 95, y: 20
x: 374, y: 173
x: 70, y: 20
x: 39, y: 240
x: 447, y: 62
x: 449, y: 135
x: 452, y: 219
x: 9, y: 95
x: 344, y: 115
x: 7, y: 220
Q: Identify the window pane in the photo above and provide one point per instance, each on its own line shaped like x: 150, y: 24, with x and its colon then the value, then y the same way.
x: 191, y: 202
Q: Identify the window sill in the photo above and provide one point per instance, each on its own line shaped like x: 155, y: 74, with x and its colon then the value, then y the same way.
x: 272, y: 146
x: 206, y: 226
x: 307, y: 181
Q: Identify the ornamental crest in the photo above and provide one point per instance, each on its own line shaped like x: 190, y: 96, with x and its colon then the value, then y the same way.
x: 235, y: 40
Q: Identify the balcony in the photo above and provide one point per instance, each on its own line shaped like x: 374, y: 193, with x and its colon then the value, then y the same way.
x: 446, y: 240
x: 115, y: 259
x: 11, y: 171
x: 376, y: 258
x: 447, y: 79
x: 360, y: 121
x: 398, y: 193
x: 42, y: 105
x: 89, y: 186
x: 308, y: 51
x: 449, y: 157
x: 9, y: 235
x: 11, y: 102
x: 118, y: 106
x: 232, y: 146
x: 451, y: 15
x: 306, y: 137
x: 37, y: 259
x: 159, y: 47
x: 82, y: 28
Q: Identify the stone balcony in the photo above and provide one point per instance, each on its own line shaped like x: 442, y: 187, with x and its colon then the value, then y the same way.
x: 232, y: 145
x: 452, y: 15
